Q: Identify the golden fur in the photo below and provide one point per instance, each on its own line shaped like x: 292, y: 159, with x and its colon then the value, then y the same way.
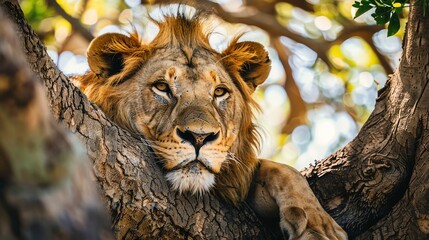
x: 104, y: 87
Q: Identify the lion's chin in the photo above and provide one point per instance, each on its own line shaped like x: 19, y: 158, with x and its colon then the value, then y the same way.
x: 193, y: 178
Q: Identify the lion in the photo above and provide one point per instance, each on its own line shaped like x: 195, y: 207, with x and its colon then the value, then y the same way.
x: 194, y: 106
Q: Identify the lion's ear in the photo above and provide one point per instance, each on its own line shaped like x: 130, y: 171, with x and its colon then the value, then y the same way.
x: 107, y: 53
x: 250, y: 60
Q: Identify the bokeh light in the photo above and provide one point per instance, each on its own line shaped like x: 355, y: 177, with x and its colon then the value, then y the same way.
x: 323, y: 23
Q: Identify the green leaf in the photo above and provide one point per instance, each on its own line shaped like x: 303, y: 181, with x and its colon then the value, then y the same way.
x: 357, y: 4
x: 382, y: 15
x: 362, y: 9
x: 394, y: 25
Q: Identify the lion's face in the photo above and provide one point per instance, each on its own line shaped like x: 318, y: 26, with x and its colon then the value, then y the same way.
x: 190, y: 102
x: 190, y: 111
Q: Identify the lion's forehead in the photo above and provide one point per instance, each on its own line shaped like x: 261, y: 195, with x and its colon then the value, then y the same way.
x: 162, y: 59
x: 199, y: 70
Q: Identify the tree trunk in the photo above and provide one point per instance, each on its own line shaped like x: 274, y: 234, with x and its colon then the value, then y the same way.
x: 376, y: 187
x: 46, y: 190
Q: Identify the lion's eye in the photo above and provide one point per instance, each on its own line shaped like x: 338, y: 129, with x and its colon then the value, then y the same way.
x: 220, y: 91
x: 161, y: 86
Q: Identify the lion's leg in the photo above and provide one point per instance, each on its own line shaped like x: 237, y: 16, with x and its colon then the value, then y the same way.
x: 281, y: 187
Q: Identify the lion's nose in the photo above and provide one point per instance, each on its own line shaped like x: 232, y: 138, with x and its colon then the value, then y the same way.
x: 197, y: 139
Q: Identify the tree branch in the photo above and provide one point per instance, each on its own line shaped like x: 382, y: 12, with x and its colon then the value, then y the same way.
x: 268, y: 7
x: 73, y: 21
x: 45, y: 183
x: 385, y: 167
x: 298, y: 108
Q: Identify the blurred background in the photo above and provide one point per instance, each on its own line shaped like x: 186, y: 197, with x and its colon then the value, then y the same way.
x: 326, y: 70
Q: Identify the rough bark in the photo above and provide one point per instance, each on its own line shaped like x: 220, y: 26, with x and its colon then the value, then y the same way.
x: 376, y: 187
x: 46, y: 191
x: 134, y: 188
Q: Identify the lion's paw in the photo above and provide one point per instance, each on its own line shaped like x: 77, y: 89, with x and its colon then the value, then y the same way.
x: 297, y: 223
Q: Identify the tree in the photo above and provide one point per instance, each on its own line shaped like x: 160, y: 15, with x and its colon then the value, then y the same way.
x: 46, y: 190
x: 375, y: 187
